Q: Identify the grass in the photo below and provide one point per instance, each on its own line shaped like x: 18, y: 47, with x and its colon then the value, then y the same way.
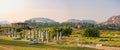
x: 107, y: 38
x: 23, y: 45
x: 75, y: 38
x: 106, y: 41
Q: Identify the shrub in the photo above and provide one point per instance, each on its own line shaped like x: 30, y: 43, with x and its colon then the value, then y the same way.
x: 104, y: 40
x: 91, y: 32
x: 18, y: 30
x: 66, y: 31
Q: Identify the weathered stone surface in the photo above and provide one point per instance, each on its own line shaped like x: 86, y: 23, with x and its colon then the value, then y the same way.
x: 112, y: 20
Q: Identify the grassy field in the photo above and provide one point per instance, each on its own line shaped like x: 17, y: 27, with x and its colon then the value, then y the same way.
x: 107, y: 38
x: 23, y: 45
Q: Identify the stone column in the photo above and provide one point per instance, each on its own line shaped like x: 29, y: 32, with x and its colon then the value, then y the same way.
x: 5, y: 33
x: 60, y: 37
x: 57, y: 35
x: 23, y: 34
x: 12, y: 32
x: 8, y: 32
x: 37, y: 35
x: 42, y: 37
x: 34, y: 36
x: 30, y: 35
x: 15, y: 33
x: 47, y: 36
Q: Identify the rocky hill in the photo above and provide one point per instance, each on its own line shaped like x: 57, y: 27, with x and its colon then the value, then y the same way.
x: 44, y: 20
x: 112, y: 23
x: 4, y: 23
x: 82, y: 21
x: 73, y: 20
x: 115, y: 20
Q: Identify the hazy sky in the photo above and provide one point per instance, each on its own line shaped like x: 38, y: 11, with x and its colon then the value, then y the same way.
x: 58, y: 10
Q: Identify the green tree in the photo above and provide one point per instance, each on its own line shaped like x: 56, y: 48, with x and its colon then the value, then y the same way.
x: 66, y: 31
x: 18, y: 30
x: 91, y: 32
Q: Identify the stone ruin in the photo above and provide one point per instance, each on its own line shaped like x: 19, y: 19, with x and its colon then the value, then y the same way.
x: 34, y: 36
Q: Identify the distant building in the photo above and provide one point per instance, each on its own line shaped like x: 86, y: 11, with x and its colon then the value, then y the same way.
x: 19, y: 25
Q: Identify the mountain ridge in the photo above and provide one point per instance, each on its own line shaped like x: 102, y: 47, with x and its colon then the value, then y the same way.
x: 40, y: 19
x: 81, y: 21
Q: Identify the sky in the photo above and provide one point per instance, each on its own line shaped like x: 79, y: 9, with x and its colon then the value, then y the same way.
x: 58, y: 10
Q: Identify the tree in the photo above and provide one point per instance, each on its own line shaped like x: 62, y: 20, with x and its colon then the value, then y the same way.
x: 65, y: 30
x: 91, y: 32
x: 18, y: 30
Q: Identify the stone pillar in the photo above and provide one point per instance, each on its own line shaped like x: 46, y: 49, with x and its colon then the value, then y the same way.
x: 37, y: 35
x: 47, y: 36
x: 30, y: 35
x: 60, y: 37
x: 5, y: 32
x: 8, y: 32
x: 12, y: 32
x: 57, y: 35
x: 15, y: 33
x: 42, y: 37
x: 34, y: 36
x: 23, y: 34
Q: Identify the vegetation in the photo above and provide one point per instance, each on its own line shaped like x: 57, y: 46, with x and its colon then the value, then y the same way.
x: 91, y: 32
x: 110, y: 27
x: 71, y: 37
x: 43, y: 25
x: 65, y: 30
x: 56, y: 24
x: 107, y: 38
x: 18, y: 30
x: 23, y: 45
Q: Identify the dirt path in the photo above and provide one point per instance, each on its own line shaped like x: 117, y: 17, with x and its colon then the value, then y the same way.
x: 5, y: 48
x: 100, y: 47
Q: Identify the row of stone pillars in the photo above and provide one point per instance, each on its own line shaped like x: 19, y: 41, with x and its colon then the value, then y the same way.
x: 11, y: 33
x: 38, y: 35
x: 59, y: 35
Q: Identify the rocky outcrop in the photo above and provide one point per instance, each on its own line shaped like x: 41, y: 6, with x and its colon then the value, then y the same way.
x: 81, y: 21
x: 44, y: 20
x: 112, y: 20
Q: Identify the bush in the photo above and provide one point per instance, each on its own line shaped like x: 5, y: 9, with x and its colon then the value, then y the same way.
x: 66, y: 31
x: 103, y: 40
x: 91, y: 32
x: 106, y: 39
x: 77, y: 32
x: 18, y: 30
